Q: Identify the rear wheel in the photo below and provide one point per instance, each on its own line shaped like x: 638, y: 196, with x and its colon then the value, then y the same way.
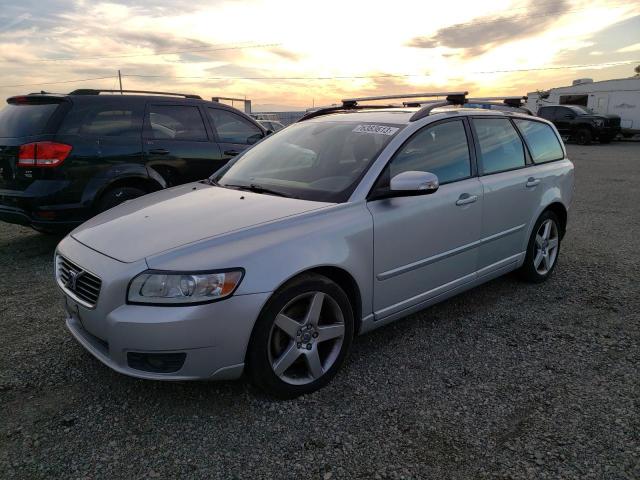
x: 117, y: 195
x: 543, y: 249
x: 301, y: 338
x: 583, y: 136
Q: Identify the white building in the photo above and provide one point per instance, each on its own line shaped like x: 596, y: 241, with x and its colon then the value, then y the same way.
x: 620, y: 97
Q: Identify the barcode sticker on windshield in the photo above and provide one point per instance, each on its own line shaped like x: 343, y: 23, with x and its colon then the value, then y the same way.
x: 378, y: 129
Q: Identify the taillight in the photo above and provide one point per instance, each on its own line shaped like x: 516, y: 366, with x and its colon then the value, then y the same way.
x: 43, y: 154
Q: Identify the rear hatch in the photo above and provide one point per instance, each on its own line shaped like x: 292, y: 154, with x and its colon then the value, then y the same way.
x: 26, y: 119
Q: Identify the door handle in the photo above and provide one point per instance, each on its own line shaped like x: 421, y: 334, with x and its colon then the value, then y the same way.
x: 532, y: 182
x: 231, y: 153
x: 159, y: 151
x: 466, y: 199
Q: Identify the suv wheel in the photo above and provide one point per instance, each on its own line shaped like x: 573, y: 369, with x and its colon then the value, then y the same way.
x: 118, y: 195
x: 543, y: 249
x: 301, y: 338
x: 583, y: 136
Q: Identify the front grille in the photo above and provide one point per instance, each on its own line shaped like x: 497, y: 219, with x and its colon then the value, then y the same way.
x: 85, y: 287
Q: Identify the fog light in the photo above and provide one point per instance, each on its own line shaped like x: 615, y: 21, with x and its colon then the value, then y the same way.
x: 156, y: 362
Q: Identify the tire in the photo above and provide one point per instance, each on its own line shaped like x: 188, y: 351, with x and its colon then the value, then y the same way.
x: 118, y: 195
x: 537, y: 269
x: 583, y: 136
x: 293, y: 351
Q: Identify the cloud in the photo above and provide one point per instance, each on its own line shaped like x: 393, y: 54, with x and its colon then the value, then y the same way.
x: 480, y: 35
x: 630, y: 48
x: 286, y: 54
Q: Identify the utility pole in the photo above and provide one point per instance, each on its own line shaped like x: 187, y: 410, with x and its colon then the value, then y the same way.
x: 120, y: 80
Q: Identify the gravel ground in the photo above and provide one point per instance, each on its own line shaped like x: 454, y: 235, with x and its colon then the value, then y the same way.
x: 509, y: 380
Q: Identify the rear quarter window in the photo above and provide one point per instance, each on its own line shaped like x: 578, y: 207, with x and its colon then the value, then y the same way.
x: 24, y: 120
x: 541, y: 140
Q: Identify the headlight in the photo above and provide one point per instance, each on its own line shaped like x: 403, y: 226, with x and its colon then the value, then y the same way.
x: 182, y: 288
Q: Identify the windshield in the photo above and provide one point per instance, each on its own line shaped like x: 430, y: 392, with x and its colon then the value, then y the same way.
x: 320, y: 161
x: 580, y: 110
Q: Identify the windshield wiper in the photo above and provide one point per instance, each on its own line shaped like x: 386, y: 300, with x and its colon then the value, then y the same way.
x: 254, y: 187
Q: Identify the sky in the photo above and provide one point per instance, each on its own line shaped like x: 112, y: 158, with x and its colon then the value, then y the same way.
x: 298, y: 53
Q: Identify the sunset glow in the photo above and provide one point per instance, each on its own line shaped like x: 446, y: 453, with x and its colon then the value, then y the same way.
x: 285, y: 46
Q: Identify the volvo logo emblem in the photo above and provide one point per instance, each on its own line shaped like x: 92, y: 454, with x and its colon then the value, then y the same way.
x: 72, y: 281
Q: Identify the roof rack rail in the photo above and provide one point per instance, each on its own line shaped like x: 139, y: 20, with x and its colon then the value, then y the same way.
x: 352, y: 103
x: 92, y: 91
x: 333, y: 109
x: 453, y: 98
x: 347, y: 102
x: 514, y: 101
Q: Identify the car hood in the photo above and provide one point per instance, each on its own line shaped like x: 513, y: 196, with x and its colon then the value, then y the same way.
x: 171, y: 218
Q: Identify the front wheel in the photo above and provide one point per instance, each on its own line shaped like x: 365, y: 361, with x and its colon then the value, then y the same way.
x: 543, y: 249
x: 118, y: 195
x: 301, y: 338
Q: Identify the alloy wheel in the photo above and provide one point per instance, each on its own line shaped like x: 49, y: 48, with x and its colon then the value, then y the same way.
x: 306, y: 338
x: 546, y: 247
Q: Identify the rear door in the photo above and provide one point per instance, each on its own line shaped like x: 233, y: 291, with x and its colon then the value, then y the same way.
x: 511, y: 193
x: 234, y: 132
x: 176, y: 143
x: 563, y: 119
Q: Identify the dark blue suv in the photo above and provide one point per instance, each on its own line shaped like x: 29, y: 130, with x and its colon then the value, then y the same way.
x: 64, y: 158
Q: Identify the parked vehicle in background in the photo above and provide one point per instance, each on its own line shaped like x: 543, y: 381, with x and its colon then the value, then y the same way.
x: 343, y: 222
x: 64, y: 158
x: 620, y: 96
x: 581, y: 124
x: 271, y: 125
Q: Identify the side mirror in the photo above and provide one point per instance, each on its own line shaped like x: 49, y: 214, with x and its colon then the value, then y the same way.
x: 268, y: 132
x: 414, y: 183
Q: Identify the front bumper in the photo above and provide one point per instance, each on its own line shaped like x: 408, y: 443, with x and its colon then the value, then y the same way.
x: 608, y: 132
x: 213, y: 337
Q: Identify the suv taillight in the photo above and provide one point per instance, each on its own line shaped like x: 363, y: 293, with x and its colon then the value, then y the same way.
x: 43, y: 154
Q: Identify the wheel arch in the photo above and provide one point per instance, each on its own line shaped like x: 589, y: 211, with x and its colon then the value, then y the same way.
x: 344, y: 280
x: 136, y: 181
x: 561, y: 212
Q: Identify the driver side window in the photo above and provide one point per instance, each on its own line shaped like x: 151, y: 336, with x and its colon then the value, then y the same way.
x: 441, y: 149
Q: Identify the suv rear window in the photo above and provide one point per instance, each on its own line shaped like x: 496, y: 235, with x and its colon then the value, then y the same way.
x: 541, y: 139
x: 23, y: 120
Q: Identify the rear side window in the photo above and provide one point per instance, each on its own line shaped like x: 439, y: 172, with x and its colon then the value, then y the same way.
x: 541, y: 139
x: 176, y: 122
x: 500, y: 145
x: 232, y: 128
x: 441, y: 149
x: 23, y: 120
x: 103, y: 120
x: 546, y: 112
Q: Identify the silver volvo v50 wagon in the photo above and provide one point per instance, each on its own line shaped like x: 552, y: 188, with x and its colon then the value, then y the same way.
x: 343, y: 222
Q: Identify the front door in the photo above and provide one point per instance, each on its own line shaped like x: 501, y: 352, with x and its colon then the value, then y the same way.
x: 235, y: 133
x: 177, y: 145
x: 426, y: 245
